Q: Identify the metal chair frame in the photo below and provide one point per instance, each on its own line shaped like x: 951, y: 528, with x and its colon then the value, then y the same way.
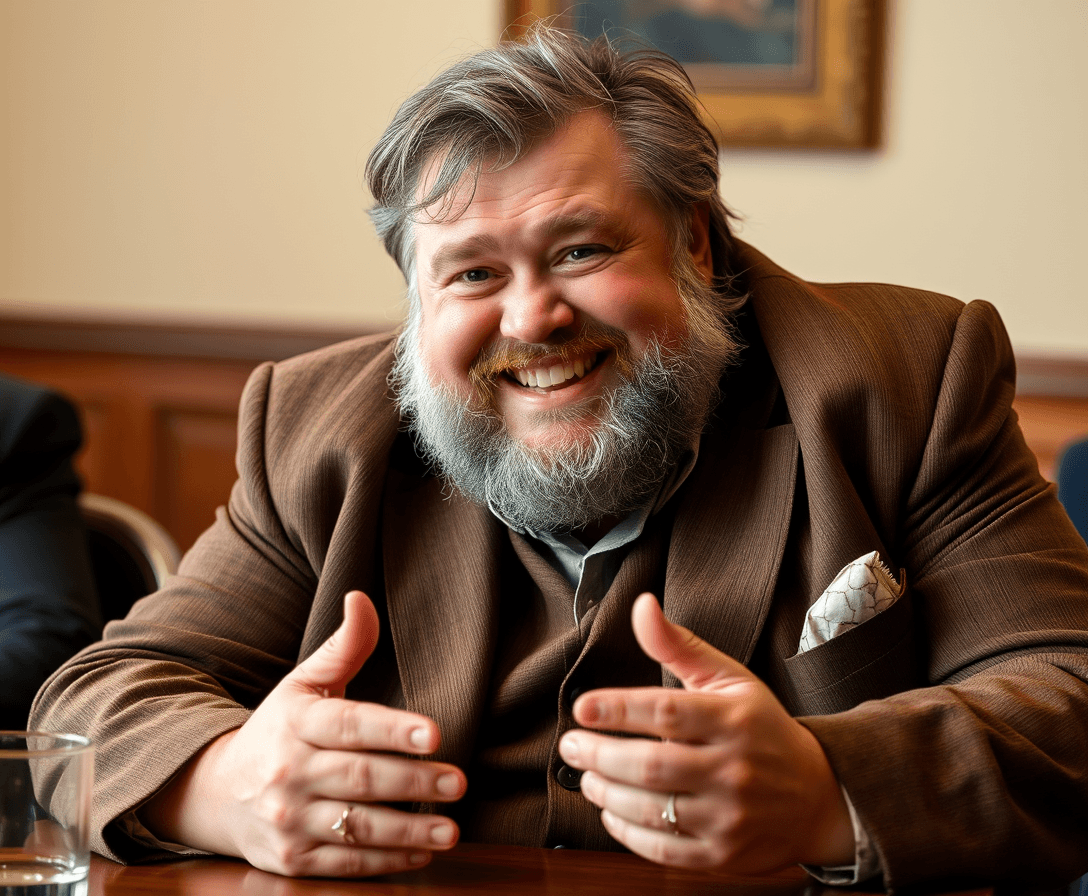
x: 131, y: 534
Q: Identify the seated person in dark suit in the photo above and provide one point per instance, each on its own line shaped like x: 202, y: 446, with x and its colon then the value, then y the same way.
x: 48, y: 604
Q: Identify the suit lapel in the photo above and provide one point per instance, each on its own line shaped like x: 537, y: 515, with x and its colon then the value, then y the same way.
x: 441, y: 559
x: 729, y: 537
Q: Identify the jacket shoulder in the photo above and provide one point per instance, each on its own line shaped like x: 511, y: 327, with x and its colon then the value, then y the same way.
x: 882, y: 313
x: 340, y: 362
x: 858, y: 341
x: 346, y: 378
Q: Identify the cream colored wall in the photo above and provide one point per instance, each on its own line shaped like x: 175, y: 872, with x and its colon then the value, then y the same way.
x: 981, y: 189
x: 188, y: 159
x: 203, y: 158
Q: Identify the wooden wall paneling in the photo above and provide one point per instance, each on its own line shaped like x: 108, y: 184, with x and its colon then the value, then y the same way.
x: 1052, y: 403
x: 1050, y: 423
x: 115, y: 460
x: 159, y: 403
x: 195, y: 419
x: 93, y: 461
x: 134, y: 448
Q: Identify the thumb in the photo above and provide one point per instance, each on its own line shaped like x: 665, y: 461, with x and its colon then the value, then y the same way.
x: 329, y: 668
x: 698, y: 665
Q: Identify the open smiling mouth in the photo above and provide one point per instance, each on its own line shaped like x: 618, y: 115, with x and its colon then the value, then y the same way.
x: 550, y: 376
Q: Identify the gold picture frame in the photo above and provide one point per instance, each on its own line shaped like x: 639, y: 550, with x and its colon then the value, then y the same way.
x: 827, y: 97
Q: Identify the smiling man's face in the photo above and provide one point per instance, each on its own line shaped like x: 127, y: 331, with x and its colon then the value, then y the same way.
x: 539, y: 295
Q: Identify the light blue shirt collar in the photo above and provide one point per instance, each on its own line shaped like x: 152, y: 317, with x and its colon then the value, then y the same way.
x: 591, y: 570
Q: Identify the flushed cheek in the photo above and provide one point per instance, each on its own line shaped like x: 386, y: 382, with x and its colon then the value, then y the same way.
x: 643, y: 305
x: 647, y: 322
x: 450, y: 343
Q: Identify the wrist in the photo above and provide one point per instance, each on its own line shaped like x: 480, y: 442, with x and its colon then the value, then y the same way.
x: 835, y: 843
x: 188, y: 808
x: 831, y: 842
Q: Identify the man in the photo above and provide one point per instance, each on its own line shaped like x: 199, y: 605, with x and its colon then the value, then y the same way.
x: 637, y: 454
x: 48, y: 604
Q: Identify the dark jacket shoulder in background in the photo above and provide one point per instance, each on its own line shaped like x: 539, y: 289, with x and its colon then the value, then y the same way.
x: 48, y: 604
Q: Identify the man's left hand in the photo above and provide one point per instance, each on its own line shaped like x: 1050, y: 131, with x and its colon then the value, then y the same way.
x: 754, y: 791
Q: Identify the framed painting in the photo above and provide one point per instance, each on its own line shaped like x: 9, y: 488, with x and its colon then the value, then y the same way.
x: 769, y: 73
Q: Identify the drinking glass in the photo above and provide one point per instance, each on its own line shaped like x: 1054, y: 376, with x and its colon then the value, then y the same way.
x: 45, y: 805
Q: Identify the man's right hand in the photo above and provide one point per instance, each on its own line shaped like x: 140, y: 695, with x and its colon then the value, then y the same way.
x: 272, y: 791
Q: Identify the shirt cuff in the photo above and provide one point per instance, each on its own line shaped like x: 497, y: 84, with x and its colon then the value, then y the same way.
x: 866, y: 861
x: 131, y: 826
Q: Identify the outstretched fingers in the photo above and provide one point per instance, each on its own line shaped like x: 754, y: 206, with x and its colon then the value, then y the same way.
x: 647, y: 764
x: 368, y: 825
x: 375, y: 777
x: 338, y: 724
x: 349, y: 839
x: 662, y: 847
x: 668, y: 713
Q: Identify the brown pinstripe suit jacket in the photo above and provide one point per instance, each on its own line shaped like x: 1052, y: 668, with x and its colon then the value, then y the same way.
x: 863, y: 417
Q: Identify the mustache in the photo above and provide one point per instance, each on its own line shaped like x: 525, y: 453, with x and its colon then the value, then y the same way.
x: 496, y: 359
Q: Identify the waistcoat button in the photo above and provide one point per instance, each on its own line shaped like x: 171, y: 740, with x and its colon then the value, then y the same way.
x: 568, y: 777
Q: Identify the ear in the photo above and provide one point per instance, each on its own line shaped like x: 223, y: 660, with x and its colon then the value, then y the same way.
x: 701, y: 252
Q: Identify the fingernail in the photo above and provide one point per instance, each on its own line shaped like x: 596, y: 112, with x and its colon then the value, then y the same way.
x: 419, y: 858
x: 448, y: 784
x: 442, y: 835
x: 568, y: 749
x: 420, y: 738
x: 591, y: 787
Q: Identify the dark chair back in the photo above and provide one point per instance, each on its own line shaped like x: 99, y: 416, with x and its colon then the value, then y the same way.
x: 131, y: 554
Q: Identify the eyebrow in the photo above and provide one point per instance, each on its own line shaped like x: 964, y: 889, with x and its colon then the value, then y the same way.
x: 456, y: 254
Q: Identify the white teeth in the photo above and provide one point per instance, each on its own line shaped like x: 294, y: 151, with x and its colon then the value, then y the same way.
x: 543, y: 377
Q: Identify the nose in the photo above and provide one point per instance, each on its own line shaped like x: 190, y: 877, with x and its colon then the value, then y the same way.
x: 533, y: 309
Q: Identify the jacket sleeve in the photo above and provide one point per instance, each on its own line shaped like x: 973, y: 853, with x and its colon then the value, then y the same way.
x: 190, y: 661
x: 982, y: 774
x: 48, y: 605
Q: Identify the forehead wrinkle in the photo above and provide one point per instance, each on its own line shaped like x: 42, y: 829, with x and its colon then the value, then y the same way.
x: 571, y: 222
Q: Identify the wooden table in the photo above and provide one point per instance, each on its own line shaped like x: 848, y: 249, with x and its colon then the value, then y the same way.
x: 467, y: 869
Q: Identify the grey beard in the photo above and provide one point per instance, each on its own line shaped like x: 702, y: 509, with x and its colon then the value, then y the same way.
x: 645, y: 426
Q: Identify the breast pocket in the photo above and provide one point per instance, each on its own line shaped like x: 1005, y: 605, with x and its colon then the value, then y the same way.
x: 876, y: 659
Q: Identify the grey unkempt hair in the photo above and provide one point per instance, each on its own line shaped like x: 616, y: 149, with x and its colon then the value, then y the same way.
x: 493, y: 107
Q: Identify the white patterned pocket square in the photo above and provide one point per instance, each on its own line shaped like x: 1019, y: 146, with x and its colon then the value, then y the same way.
x: 860, y: 591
